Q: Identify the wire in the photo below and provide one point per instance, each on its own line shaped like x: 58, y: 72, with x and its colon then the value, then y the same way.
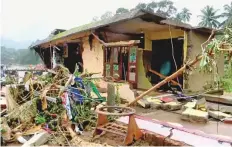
x: 173, y: 55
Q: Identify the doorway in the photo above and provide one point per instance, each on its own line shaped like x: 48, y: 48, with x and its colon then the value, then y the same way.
x: 162, y: 59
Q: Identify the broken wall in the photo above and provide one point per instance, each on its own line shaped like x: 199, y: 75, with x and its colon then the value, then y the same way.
x: 159, y: 35
x: 143, y: 81
x: 144, y: 62
x: 92, y: 58
x: 197, y: 80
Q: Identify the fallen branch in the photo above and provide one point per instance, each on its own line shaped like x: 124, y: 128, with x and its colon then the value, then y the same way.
x: 66, y: 84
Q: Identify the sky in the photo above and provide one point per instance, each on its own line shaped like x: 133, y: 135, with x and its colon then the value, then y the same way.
x: 23, y: 20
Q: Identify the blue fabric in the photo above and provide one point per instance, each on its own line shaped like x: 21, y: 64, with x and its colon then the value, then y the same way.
x: 76, y: 94
x: 165, y: 68
x: 80, y: 81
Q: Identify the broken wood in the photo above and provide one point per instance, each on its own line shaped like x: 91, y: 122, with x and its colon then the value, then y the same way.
x: 167, y: 79
x: 66, y: 84
x: 99, y: 39
x: 162, y: 76
x: 11, y: 103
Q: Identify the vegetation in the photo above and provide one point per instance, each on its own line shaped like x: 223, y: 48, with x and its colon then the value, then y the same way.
x: 209, y: 17
x: 20, y: 56
x: 227, y: 15
x: 218, y: 46
x: 184, y: 15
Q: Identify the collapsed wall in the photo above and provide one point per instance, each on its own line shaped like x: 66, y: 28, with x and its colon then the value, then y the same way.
x: 92, y: 57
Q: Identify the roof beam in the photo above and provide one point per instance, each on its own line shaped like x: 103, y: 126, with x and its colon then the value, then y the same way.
x: 71, y: 38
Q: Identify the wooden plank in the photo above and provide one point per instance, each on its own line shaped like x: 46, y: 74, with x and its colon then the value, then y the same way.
x: 122, y: 43
x: 162, y: 76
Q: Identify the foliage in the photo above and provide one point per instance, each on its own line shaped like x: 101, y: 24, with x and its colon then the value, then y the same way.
x: 83, y: 114
x: 227, y: 15
x: 165, y: 8
x: 39, y: 119
x: 217, y: 47
x: 184, y: 15
x: 107, y: 15
x: 121, y: 10
x: 209, y: 17
x: 10, y: 80
x: 141, y: 6
x: 226, y: 80
x: 3, y: 130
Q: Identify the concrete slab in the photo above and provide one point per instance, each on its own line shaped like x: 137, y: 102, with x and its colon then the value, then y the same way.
x: 219, y: 115
x: 37, y: 139
x: 226, y: 99
x: 191, y: 137
x: 126, y: 93
x: 219, y: 107
x: 195, y: 140
x: 189, y: 105
x: 193, y: 115
x: 149, y: 126
x: 154, y: 102
x: 170, y: 106
x: 211, y: 127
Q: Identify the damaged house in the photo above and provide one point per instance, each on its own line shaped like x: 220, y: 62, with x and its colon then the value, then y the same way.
x: 139, y: 47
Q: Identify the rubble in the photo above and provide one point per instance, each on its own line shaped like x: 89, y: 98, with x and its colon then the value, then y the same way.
x: 37, y: 139
x: 219, y: 107
x: 193, y: 115
x: 171, y: 106
x: 224, y: 99
x: 219, y: 115
x: 154, y: 103
x: 189, y: 105
x: 42, y: 102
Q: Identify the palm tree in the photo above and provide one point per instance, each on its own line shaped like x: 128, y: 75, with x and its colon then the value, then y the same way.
x: 184, y: 15
x: 209, y: 17
x: 227, y: 14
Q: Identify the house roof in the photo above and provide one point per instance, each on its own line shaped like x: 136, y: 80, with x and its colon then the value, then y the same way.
x: 115, y: 19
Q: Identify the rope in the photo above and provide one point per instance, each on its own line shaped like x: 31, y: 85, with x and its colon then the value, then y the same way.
x: 174, y: 56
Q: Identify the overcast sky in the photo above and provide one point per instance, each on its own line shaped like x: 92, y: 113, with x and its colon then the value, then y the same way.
x: 34, y: 19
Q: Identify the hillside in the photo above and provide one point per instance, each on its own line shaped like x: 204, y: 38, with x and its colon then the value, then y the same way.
x: 14, y: 44
x: 21, y: 57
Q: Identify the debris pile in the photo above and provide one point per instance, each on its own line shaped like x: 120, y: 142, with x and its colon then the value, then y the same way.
x: 51, y: 108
